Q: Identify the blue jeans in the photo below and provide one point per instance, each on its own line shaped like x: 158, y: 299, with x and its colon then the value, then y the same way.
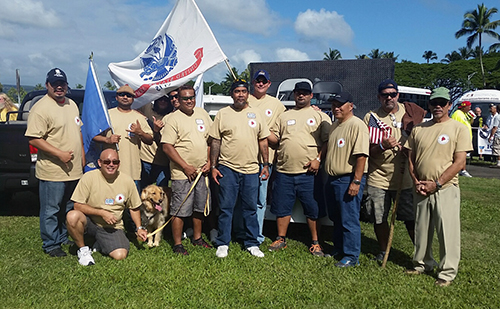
x: 343, y: 210
x: 55, y: 203
x: 154, y: 173
x: 261, y: 209
x: 243, y: 188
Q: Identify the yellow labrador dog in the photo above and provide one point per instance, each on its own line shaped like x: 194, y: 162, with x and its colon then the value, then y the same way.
x: 154, y: 210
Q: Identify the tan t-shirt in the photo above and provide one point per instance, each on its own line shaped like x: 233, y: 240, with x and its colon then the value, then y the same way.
x: 384, y: 169
x: 271, y: 108
x: 346, y: 141
x: 434, y: 145
x: 59, y: 125
x: 95, y: 191
x: 239, y: 132
x: 188, y: 135
x: 130, y: 144
x: 301, y: 132
x: 153, y: 153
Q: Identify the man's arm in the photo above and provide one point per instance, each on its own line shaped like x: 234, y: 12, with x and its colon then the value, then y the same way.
x: 359, y: 170
x: 214, y: 157
x: 88, y: 210
x: 492, y: 134
x: 273, y: 140
x: 43, y: 145
x: 135, y: 214
x: 458, y: 163
x: 189, y: 170
x: 102, y: 138
x: 264, y: 151
x: 137, y: 129
x: 313, y: 165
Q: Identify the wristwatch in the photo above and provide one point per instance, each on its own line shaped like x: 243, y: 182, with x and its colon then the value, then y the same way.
x: 356, y: 182
x: 140, y: 228
x: 438, y: 185
x: 266, y: 164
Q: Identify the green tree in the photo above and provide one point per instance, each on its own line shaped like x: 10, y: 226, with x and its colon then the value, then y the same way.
x: 453, y: 56
x: 1, y: 87
x: 108, y: 85
x: 79, y: 86
x: 475, y: 24
x: 375, y: 54
x: 12, y: 93
x: 333, y: 54
x: 361, y: 56
x: 39, y: 87
x: 429, y: 55
x: 466, y: 52
x: 229, y: 79
x: 389, y: 55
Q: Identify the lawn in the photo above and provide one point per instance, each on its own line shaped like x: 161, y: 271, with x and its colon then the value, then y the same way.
x: 292, y: 278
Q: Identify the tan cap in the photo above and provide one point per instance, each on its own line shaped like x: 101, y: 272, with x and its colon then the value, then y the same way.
x: 127, y: 89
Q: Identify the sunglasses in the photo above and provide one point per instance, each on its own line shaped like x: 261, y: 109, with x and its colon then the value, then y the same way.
x: 302, y: 92
x: 441, y: 103
x: 125, y: 94
x: 390, y: 94
x: 263, y: 81
x: 187, y: 98
x: 175, y: 96
x: 107, y: 161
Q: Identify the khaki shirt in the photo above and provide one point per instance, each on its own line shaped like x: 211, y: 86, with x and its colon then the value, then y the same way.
x: 130, y: 144
x: 188, y: 134
x: 347, y: 140
x: 95, y: 191
x: 59, y: 125
x: 239, y: 132
x: 384, y: 169
x: 434, y: 145
x: 271, y: 108
x: 153, y: 153
x: 301, y: 132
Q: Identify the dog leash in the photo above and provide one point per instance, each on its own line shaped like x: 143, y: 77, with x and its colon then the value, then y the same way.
x: 205, y: 212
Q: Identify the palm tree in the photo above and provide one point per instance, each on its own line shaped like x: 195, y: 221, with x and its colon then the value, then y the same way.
x: 333, y: 54
x: 475, y: 24
x: 375, y: 54
x: 429, y: 55
x: 389, y: 55
x: 466, y: 52
x: 453, y: 56
x: 361, y: 56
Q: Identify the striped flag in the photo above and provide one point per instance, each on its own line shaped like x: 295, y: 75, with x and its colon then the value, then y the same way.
x: 378, y: 130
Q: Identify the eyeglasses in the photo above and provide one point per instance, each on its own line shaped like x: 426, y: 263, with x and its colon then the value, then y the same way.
x: 263, y: 81
x: 441, y: 103
x: 107, y: 161
x: 390, y: 94
x: 187, y: 98
x: 125, y: 94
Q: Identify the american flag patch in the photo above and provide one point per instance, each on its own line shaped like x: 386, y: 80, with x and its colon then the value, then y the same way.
x: 378, y: 130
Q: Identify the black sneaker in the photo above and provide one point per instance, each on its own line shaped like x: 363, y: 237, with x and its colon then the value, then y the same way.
x: 201, y: 242
x: 57, y: 252
x: 179, y: 249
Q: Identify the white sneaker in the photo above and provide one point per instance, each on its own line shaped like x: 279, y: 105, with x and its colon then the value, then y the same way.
x: 188, y: 233
x: 221, y: 251
x: 213, y: 235
x: 464, y: 173
x: 85, y: 256
x: 255, y: 251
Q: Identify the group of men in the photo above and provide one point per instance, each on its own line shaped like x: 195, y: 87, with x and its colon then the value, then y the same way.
x: 238, y: 150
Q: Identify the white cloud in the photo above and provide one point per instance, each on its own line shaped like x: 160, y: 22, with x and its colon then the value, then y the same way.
x: 253, y: 16
x: 324, y: 25
x: 247, y: 56
x: 28, y: 13
x: 290, y: 54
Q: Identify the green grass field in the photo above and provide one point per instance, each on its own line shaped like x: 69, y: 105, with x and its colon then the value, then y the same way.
x: 292, y: 278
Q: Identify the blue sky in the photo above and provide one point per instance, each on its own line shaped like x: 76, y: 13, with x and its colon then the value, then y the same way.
x: 36, y: 36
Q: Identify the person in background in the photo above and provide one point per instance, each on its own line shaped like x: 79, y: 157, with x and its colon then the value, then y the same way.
x: 462, y: 115
x: 6, y: 106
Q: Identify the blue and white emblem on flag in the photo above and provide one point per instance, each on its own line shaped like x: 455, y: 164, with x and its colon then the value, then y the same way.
x: 159, y: 58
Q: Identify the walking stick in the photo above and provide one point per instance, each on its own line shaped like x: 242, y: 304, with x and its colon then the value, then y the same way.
x: 393, y: 215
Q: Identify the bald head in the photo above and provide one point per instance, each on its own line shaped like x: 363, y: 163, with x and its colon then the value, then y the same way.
x: 109, y: 163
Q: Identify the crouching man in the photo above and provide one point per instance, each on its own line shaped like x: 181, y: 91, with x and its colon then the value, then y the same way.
x: 100, y: 199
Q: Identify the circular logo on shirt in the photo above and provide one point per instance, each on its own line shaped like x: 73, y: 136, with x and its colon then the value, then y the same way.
x: 443, y: 139
x: 78, y: 121
x: 252, y: 123
x: 201, y: 127
x: 269, y: 112
x: 120, y: 198
x: 341, y: 142
x: 311, y: 121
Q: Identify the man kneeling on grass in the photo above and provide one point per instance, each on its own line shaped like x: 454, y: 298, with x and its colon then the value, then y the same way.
x: 100, y: 199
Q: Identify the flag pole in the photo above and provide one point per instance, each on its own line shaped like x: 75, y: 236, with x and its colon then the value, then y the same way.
x: 229, y: 68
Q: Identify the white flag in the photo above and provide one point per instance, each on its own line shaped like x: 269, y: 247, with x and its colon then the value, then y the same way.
x: 198, y: 87
x: 183, y: 48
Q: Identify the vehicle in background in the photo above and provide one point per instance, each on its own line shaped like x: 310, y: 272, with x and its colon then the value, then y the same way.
x: 17, y: 157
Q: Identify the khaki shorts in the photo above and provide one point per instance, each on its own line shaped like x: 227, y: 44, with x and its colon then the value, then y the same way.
x: 495, y: 147
x: 195, y: 201
x: 379, y: 202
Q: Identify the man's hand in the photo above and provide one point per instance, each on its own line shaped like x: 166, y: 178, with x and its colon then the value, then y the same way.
x: 135, y: 128
x: 158, y: 124
x: 65, y: 156
x: 190, y: 172
x: 215, y: 175
x: 142, y: 234
x: 353, y: 189
x: 264, y: 174
x: 113, y: 139
x: 390, y: 143
x: 312, y: 166
x: 206, y: 168
x: 426, y: 187
x: 109, y: 217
